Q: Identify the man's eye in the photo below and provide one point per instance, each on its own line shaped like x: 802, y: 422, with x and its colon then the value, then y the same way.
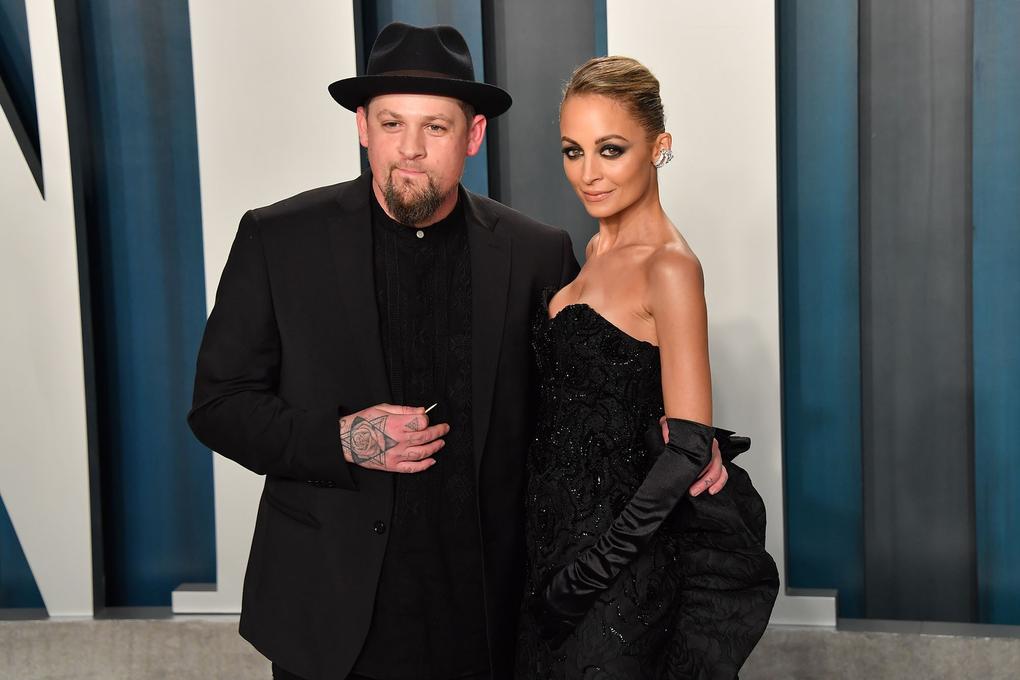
x: 436, y: 128
x: 572, y: 152
x: 390, y: 124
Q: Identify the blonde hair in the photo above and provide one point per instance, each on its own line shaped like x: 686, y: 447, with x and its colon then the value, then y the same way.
x: 625, y: 80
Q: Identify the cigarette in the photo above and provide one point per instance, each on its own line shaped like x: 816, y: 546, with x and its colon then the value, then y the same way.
x: 432, y: 407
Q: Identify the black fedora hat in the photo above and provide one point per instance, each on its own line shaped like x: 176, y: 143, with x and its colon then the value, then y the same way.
x: 407, y: 59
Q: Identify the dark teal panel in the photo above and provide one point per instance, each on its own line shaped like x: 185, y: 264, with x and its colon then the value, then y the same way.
x: 466, y: 17
x: 16, y: 65
x: 997, y: 307
x: 147, y: 273
x: 17, y: 585
x: 601, y: 29
x: 820, y: 296
x: 915, y: 85
x: 17, y: 92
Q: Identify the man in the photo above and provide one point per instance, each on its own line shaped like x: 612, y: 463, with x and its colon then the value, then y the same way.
x: 399, y: 287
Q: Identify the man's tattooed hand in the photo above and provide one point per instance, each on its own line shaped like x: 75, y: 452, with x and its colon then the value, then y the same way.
x: 367, y: 441
x: 391, y: 438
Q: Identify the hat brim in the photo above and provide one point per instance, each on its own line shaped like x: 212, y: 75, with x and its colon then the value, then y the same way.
x: 488, y: 100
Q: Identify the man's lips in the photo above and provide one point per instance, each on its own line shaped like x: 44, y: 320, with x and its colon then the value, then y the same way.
x: 409, y: 171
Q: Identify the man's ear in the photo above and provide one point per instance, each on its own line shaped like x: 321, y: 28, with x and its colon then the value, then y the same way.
x: 476, y: 133
x: 362, y: 117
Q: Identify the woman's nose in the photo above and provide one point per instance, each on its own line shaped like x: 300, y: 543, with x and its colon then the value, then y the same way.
x: 591, y: 170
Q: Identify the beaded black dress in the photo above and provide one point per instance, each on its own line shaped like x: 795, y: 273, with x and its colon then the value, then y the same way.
x: 695, y: 602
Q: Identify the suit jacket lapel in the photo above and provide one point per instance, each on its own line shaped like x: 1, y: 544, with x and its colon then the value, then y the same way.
x: 490, y: 282
x: 351, y: 242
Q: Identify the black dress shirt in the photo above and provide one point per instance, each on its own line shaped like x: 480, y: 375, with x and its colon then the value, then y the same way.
x: 429, y: 616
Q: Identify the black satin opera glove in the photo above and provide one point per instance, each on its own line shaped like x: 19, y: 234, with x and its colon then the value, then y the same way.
x: 730, y: 444
x: 568, y: 593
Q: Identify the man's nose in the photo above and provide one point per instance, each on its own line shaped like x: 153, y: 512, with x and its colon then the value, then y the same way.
x: 412, y: 143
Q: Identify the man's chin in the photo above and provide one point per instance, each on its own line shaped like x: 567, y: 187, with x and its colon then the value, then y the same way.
x: 408, y: 197
x: 409, y: 186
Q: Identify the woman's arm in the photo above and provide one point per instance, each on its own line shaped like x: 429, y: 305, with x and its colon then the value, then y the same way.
x: 676, y: 302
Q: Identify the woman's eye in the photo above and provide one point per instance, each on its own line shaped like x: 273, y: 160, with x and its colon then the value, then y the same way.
x: 572, y: 152
x: 611, y: 151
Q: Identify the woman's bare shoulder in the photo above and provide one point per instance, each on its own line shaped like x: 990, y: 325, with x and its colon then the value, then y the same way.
x: 674, y: 269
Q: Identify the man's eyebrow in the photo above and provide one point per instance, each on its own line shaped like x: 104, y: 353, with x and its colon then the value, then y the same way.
x: 387, y: 113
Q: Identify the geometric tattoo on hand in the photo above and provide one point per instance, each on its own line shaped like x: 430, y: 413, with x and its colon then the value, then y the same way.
x: 367, y: 441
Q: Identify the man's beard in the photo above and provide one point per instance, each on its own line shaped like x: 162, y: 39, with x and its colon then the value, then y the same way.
x: 412, y: 206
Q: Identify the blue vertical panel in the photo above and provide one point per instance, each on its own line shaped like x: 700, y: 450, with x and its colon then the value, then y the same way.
x: 466, y: 17
x: 820, y: 296
x: 996, y: 255
x: 16, y: 65
x: 145, y: 234
x: 601, y: 29
x: 17, y: 585
x: 17, y: 90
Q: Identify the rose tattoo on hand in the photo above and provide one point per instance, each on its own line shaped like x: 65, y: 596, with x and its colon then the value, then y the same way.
x: 367, y: 441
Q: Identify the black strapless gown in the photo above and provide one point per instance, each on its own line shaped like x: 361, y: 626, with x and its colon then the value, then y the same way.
x: 697, y: 600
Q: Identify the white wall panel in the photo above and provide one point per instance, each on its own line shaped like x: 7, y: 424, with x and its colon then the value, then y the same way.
x: 716, y: 64
x: 267, y: 129
x: 43, y: 441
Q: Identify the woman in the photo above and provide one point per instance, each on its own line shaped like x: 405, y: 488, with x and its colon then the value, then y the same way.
x: 628, y: 576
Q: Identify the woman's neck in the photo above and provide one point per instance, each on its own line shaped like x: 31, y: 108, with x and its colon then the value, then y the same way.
x: 642, y: 222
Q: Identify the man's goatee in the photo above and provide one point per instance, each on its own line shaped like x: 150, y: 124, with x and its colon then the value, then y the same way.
x: 418, y: 207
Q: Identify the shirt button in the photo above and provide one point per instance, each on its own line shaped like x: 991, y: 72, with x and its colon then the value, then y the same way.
x: 379, y: 527
x: 420, y: 234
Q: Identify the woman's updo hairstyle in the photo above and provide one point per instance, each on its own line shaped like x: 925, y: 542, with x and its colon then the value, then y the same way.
x: 626, y: 81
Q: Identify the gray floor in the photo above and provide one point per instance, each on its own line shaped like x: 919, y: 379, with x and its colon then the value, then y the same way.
x: 806, y: 654
x: 127, y: 650
x: 209, y: 648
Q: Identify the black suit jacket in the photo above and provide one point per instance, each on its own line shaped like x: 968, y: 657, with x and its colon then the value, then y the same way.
x: 291, y: 343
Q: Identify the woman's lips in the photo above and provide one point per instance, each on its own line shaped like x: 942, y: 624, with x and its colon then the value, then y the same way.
x: 595, y: 196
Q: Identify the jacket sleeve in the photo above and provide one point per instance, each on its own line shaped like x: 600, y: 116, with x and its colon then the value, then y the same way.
x: 236, y: 410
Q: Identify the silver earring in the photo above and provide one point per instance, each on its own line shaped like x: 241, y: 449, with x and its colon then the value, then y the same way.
x: 665, y: 156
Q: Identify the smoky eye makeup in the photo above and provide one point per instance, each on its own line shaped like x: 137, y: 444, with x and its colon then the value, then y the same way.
x: 612, y: 151
x: 571, y: 151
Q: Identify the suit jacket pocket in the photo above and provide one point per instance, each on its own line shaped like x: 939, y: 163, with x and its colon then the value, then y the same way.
x: 297, y: 514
